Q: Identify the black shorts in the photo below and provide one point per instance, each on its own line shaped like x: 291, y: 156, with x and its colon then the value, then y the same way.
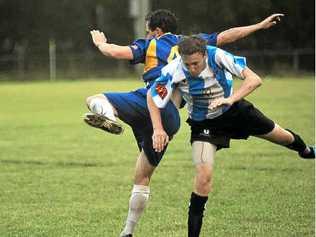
x: 239, y: 122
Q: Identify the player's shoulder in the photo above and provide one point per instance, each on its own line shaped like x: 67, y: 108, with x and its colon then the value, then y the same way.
x: 174, y: 70
x: 172, y: 66
x: 140, y: 43
x: 212, y: 49
x: 168, y: 39
x: 215, y: 53
x: 168, y: 36
x: 145, y: 42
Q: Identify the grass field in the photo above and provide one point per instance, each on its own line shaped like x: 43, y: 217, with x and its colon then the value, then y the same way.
x: 58, y: 177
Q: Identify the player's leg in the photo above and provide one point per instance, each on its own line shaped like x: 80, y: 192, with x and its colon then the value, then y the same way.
x: 130, y: 107
x: 289, y: 139
x: 203, y: 154
x: 140, y: 193
x: 255, y: 123
x: 205, y: 140
x: 103, y: 114
x: 145, y: 166
x: 99, y: 104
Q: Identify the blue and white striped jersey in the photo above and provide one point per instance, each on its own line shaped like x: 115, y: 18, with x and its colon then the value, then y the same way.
x: 214, y: 81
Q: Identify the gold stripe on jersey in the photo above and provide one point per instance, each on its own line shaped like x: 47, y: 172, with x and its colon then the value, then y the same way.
x: 151, y: 60
x: 174, y: 52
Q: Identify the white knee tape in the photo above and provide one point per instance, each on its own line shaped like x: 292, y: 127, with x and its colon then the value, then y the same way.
x: 102, y: 106
x: 203, y: 152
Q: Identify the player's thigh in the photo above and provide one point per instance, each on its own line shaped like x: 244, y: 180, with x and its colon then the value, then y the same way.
x: 152, y: 156
x: 251, y: 121
x: 143, y: 170
x: 278, y: 135
x: 131, y: 106
x: 203, y: 155
x: 170, y: 119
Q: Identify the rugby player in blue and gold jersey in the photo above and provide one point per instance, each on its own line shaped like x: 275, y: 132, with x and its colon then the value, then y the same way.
x: 154, y: 51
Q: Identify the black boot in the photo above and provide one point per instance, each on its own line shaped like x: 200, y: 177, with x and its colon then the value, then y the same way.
x: 309, y: 155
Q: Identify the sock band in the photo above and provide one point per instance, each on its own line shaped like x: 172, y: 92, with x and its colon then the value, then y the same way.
x: 137, y: 204
x: 298, y: 144
x: 196, y: 209
x: 197, y: 204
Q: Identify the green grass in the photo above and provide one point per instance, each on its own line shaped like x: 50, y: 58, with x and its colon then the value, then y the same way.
x: 58, y: 177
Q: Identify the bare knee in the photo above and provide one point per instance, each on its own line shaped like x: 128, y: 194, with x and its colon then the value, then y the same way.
x: 142, y: 179
x: 143, y: 170
x: 143, y: 176
x: 204, y: 184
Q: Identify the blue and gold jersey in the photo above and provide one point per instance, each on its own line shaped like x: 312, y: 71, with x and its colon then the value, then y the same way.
x: 155, y: 53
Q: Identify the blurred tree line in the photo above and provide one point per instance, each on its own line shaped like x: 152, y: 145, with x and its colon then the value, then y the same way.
x: 67, y: 21
x: 31, y: 24
x: 296, y: 31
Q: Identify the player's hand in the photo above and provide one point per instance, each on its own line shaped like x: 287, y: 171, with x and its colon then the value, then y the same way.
x: 160, y: 139
x: 221, y: 101
x: 271, y: 21
x: 98, y: 37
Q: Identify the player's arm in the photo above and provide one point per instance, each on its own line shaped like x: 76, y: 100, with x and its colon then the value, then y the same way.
x: 160, y: 137
x: 110, y: 50
x: 158, y: 95
x: 250, y: 83
x: 236, y: 33
x: 237, y: 66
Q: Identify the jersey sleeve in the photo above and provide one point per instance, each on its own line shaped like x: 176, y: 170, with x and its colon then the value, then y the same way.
x: 138, y: 48
x: 234, y: 64
x: 161, y: 90
x: 210, y: 38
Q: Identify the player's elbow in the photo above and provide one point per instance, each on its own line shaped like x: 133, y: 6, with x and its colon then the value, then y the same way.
x: 113, y: 54
x: 229, y: 36
x: 254, y: 80
x: 258, y: 81
x: 222, y: 39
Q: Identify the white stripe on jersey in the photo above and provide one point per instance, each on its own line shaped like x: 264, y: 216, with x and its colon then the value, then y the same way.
x: 228, y: 61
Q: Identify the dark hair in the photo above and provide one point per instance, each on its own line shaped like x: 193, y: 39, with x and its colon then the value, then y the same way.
x: 162, y: 18
x: 192, y: 44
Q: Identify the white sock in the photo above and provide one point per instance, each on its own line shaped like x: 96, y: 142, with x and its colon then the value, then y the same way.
x: 137, y: 204
x: 102, y: 107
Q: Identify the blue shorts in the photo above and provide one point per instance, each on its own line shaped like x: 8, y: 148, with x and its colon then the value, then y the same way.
x: 132, y: 109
